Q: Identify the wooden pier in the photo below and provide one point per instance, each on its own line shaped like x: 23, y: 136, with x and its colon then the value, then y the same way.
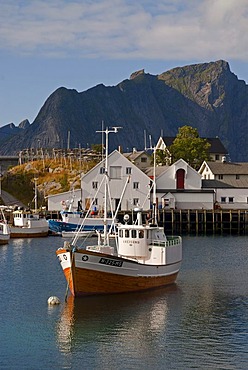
x: 204, y: 222
x: 195, y: 222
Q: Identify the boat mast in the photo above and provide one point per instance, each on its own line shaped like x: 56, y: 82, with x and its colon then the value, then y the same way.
x: 154, y: 199
x: 35, y: 195
x: 106, y: 132
x: 154, y: 205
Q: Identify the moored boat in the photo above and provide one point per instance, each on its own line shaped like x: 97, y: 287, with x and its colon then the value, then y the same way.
x: 4, y: 228
x: 73, y: 220
x: 27, y: 224
x: 79, y: 234
x: 143, y: 257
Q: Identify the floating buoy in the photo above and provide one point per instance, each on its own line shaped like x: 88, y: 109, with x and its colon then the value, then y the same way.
x: 53, y: 300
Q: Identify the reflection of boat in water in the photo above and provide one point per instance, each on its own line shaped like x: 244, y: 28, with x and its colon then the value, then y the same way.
x: 144, y: 257
x: 103, y: 317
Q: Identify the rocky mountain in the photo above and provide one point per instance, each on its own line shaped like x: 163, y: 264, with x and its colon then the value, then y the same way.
x: 10, y: 130
x: 207, y: 96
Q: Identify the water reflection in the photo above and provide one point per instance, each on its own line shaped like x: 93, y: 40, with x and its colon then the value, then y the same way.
x: 126, y: 318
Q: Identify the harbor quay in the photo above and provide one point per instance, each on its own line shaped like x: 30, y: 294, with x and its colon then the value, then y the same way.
x: 192, y: 222
x: 205, y: 222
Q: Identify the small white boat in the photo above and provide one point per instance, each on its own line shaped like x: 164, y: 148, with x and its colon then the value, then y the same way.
x: 4, y: 228
x: 27, y: 224
x: 80, y: 234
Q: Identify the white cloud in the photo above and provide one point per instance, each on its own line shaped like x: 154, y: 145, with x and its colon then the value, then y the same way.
x: 198, y: 29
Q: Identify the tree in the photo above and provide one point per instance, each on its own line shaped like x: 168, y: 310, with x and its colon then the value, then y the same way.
x: 163, y: 157
x: 190, y: 147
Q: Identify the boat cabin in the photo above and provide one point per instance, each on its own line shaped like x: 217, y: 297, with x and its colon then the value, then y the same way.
x: 24, y: 217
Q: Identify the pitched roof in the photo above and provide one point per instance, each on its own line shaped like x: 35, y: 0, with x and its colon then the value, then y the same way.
x: 216, y: 144
x: 215, y: 184
x: 158, y: 170
x: 227, y: 184
x: 228, y: 168
x: 134, y: 155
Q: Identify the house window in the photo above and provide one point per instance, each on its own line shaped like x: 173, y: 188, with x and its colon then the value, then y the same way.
x: 136, y: 185
x: 135, y: 201
x: 223, y: 199
x: 180, y: 176
x: 128, y: 170
x: 143, y: 159
x: 94, y: 184
x: 115, y: 172
x: 231, y: 199
x: 217, y: 157
x: 102, y: 170
x: 237, y: 177
x: 220, y: 177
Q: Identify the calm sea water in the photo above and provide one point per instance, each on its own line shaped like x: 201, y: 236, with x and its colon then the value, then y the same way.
x: 200, y: 323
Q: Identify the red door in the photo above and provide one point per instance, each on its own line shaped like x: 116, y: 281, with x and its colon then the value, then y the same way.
x: 180, y: 178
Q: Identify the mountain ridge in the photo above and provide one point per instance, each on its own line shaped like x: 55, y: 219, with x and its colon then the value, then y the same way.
x: 207, y: 96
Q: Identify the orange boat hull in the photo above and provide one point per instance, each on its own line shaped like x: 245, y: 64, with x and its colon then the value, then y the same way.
x: 90, y: 281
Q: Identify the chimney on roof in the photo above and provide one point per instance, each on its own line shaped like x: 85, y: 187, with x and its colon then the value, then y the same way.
x: 134, y: 150
x: 224, y: 159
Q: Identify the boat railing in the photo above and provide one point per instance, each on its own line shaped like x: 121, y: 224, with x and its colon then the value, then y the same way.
x: 170, y: 242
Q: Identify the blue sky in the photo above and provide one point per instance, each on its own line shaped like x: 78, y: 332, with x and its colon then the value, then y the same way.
x: 45, y: 44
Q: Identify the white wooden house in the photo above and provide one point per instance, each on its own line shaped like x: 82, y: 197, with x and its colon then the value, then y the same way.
x: 216, y: 151
x: 120, y: 169
x: 57, y: 202
x: 140, y: 158
x: 229, y: 182
x: 180, y: 187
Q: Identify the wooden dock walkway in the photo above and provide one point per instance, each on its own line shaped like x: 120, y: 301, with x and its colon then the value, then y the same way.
x: 204, y: 222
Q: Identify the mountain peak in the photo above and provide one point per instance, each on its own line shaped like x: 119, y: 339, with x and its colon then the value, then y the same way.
x: 207, y: 96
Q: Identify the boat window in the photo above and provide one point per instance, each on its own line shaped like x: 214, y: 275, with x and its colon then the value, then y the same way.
x: 133, y: 232
x: 141, y: 234
x: 126, y: 233
x: 121, y: 233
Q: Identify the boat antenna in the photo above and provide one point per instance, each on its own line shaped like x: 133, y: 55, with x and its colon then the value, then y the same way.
x: 107, y: 131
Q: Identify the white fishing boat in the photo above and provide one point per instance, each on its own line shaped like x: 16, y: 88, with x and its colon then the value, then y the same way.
x: 27, y: 223
x: 4, y: 228
x: 143, y: 257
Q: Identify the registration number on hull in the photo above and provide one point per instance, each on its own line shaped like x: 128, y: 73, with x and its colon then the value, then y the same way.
x: 107, y: 261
